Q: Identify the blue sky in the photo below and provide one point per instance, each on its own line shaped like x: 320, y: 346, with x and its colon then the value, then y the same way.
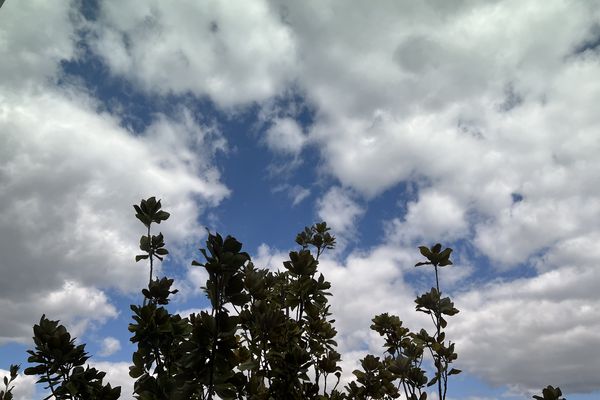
x: 406, y: 123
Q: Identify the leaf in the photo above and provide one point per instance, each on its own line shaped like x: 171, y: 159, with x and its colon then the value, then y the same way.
x: 141, y: 257
x: 425, y: 251
x: 454, y: 371
x: 161, y: 216
x: 432, y: 381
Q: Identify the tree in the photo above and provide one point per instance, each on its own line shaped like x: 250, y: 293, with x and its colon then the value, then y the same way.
x: 267, y: 335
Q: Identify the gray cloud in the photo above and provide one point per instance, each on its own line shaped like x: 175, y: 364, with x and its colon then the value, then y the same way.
x: 235, y: 53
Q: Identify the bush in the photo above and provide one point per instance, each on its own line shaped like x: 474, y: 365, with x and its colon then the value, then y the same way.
x: 268, y: 335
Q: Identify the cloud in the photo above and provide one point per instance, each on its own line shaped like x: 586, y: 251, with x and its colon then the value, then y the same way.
x: 433, y: 216
x: 285, y: 136
x: 296, y: 193
x: 513, y: 332
x: 68, y: 178
x: 269, y: 258
x: 110, y: 345
x: 246, y: 53
x: 34, y: 37
x: 117, y: 374
x: 547, y: 320
x: 75, y: 305
x: 492, y: 116
x: 24, y: 385
x: 341, y: 212
x: 471, y: 126
x: 365, y: 284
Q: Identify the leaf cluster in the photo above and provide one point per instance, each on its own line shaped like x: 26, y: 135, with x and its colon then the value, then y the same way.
x: 59, y: 364
x: 6, y: 393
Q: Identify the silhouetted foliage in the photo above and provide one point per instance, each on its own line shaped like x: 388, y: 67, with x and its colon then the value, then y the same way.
x: 266, y: 335
x: 6, y: 393
x: 60, y: 365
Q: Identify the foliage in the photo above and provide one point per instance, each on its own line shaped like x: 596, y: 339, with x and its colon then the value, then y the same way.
x: 6, y: 393
x: 266, y: 334
x: 60, y: 365
x: 550, y: 393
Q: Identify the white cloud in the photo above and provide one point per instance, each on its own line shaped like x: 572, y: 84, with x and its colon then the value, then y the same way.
x: 187, y: 312
x: 270, y: 258
x: 246, y: 53
x: 117, y: 374
x: 532, y: 332
x: 69, y: 177
x: 339, y: 209
x: 34, y: 37
x: 434, y: 216
x: 364, y: 285
x: 488, y: 104
x: 285, y: 136
x: 24, y: 385
x: 109, y: 346
x: 75, y: 305
x: 296, y: 193
x: 341, y: 212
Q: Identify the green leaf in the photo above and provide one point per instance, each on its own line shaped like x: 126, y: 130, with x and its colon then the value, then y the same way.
x: 141, y: 257
x: 162, y: 251
x: 425, y: 251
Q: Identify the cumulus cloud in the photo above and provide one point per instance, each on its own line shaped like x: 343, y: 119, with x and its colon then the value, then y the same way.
x: 435, y: 215
x: 69, y: 175
x: 270, y: 258
x: 24, y: 385
x: 491, y: 115
x: 489, y: 107
x: 117, y: 374
x: 246, y: 52
x: 339, y: 209
x: 109, y: 346
x: 285, y: 136
x: 75, y: 305
x: 513, y: 331
x: 471, y: 111
x: 34, y: 37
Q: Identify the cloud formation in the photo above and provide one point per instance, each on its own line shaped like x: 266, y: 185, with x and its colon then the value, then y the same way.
x: 234, y: 53
x: 488, y: 109
x: 68, y: 177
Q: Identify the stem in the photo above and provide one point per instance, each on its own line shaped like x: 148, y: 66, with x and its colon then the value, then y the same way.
x: 445, y: 379
x: 152, y: 254
x: 50, y: 385
x: 405, y: 389
x: 437, y: 327
x: 216, y: 335
x: 337, y: 383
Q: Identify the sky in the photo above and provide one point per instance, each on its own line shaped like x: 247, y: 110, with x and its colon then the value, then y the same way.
x: 400, y: 123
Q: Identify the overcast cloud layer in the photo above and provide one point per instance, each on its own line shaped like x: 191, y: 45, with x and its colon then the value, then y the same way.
x: 489, y: 110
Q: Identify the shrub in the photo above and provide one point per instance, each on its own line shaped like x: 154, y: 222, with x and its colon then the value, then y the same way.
x: 267, y: 335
